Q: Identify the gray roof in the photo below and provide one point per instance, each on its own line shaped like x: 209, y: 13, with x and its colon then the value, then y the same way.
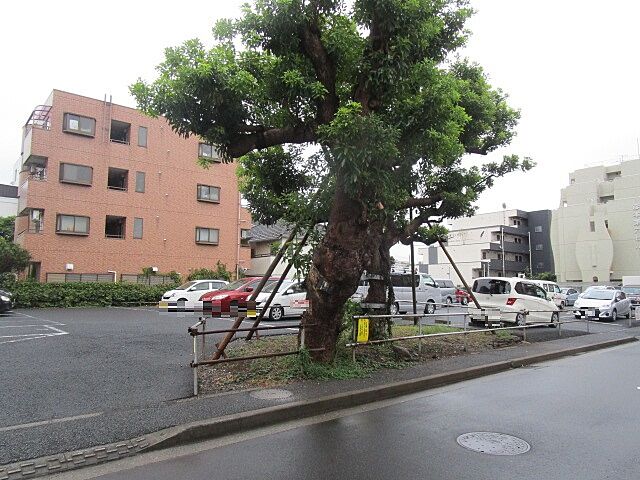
x: 269, y: 233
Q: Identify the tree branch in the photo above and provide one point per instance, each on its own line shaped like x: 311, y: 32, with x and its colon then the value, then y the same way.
x: 422, y: 202
x: 324, y: 68
x: 243, y: 144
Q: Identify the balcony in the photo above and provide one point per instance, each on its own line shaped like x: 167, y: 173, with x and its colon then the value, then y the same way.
x: 38, y: 122
x: 509, y: 266
x: 509, y: 247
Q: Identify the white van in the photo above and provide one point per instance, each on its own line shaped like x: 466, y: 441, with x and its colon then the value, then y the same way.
x: 428, y: 294
x: 555, y: 293
x: 519, y: 300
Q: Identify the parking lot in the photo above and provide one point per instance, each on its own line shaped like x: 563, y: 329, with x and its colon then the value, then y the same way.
x: 87, y: 376
x: 60, y: 366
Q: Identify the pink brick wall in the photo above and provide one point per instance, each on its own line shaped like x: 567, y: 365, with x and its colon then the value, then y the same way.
x: 168, y: 206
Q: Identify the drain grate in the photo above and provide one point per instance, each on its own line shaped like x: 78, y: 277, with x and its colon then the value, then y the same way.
x: 493, y: 443
x: 271, y: 394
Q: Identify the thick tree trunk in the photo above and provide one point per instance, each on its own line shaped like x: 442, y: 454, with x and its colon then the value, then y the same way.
x: 338, y: 262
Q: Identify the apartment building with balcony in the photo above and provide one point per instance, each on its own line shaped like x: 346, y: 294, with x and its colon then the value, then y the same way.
x: 493, y: 244
x: 596, y: 230
x: 102, y: 188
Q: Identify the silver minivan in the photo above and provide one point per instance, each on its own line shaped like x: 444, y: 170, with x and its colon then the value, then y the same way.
x: 427, y: 293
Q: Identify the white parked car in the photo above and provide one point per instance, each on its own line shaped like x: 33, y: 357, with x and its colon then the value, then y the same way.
x: 192, y: 291
x: 289, y: 301
x: 518, y: 300
x: 602, y: 303
x: 554, y: 291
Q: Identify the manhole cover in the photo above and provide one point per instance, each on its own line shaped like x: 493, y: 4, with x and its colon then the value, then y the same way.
x: 493, y: 443
x: 271, y: 394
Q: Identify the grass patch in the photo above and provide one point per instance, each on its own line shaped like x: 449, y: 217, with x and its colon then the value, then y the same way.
x: 274, y: 371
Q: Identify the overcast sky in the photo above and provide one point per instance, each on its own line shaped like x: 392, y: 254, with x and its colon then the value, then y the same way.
x: 570, y: 66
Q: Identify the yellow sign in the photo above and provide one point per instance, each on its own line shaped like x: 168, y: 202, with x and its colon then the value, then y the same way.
x: 363, y: 330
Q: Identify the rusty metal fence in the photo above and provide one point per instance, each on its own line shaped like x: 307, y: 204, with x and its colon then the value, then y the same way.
x: 485, y: 320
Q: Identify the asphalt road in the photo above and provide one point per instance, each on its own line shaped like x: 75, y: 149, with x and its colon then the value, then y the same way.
x: 580, y: 416
x: 65, y: 371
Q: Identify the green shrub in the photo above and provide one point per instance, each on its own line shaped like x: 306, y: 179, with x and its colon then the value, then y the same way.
x: 28, y: 294
x: 220, y: 273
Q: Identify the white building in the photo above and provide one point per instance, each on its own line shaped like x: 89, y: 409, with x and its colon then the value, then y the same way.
x: 494, y: 243
x: 596, y: 231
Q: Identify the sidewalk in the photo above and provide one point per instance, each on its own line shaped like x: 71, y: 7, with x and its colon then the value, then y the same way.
x: 176, y: 422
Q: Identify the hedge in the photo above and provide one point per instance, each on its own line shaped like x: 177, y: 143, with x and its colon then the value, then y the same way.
x: 32, y: 294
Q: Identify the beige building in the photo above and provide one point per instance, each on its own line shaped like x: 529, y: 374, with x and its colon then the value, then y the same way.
x: 104, y: 189
x: 596, y: 231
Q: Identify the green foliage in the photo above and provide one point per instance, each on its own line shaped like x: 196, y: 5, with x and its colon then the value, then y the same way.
x: 29, y: 294
x: 548, y: 276
x: 13, y: 258
x: 391, y: 114
x: 7, y: 227
x: 220, y: 273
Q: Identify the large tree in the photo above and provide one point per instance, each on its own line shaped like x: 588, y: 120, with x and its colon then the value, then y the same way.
x: 364, y: 102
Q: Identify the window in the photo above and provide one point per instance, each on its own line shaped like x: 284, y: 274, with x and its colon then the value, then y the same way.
x: 142, y: 136
x: 140, y: 177
x: 79, y: 174
x: 484, y: 255
x: 518, y: 258
x: 499, y: 256
x: 499, y: 237
x: 564, y: 203
x: 516, y: 223
x: 538, y: 229
x: 137, y: 227
x: 244, y: 237
x: 208, y: 151
x: 200, y: 287
x: 207, y: 193
x: 606, y: 224
x: 208, y: 236
x: 114, y: 226
x: 539, y: 247
x: 573, y: 180
x: 491, y: 286
x: 298, y: 288
x: 117, y: 179
x: 613, y: 175
x: 120, y: 132
x: 607, y: 198
x: 80, y: 125
x: 72, y: 225
x: 36, y: 220
x: 592, y: 226
x: 517, y: 240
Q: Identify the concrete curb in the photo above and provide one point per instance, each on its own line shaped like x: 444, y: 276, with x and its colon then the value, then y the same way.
x: 229, y: 424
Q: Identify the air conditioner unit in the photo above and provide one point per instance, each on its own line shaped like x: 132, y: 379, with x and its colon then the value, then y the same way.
x: 522, y: 275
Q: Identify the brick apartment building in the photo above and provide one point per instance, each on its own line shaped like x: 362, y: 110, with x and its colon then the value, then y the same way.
x: 104, y: 188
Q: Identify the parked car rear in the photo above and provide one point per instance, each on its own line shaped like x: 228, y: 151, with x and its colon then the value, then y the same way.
x: 518, y: 300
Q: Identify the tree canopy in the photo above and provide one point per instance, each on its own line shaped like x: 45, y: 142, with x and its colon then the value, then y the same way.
x: 363, y: 105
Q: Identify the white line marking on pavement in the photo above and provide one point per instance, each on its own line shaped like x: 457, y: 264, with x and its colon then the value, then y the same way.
x: 48, y: 331
x: 38, y: 318
x: 49, y: 422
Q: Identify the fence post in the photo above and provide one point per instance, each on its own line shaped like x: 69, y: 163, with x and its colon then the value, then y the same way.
x: 420, y: 333
x: 195, y: 369
x: 559, y: 326
x: 524, y: 327
x: 204, y: 327
x: 464, y: 337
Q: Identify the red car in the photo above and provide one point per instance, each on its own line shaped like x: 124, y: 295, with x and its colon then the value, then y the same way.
x: 237, y: 292
x: 462, y: 296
